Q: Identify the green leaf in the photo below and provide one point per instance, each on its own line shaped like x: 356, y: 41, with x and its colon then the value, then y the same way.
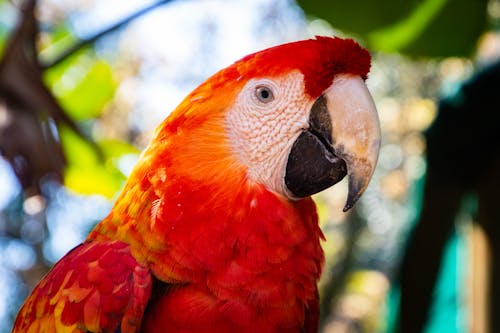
x: 95, y: 180
x: 83, y: 85
x: 453, y: 31
x: 117, y: 148
x: 55, y: 42
x: 86, y: 173
x: 401, y: 34
x: 437, y: 28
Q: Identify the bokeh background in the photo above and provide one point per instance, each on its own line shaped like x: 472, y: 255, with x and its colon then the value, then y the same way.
x: 83, y: 83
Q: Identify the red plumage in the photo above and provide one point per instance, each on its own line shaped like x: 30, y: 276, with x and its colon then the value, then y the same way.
x: 97, y: 287
x: 192, y: 243
x: 319, y: 60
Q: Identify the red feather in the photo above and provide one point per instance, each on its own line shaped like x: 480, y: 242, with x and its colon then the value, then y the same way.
x: 97, y: 287
x: 318, y: 59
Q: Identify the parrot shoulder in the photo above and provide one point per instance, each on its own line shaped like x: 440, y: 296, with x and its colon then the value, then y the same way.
x: 96, y: 287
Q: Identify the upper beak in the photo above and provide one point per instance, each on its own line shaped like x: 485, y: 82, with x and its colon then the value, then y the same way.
x: 343, y: 138
x: 355, y: 131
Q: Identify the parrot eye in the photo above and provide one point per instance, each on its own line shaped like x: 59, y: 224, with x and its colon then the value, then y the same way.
x: 264, y: 94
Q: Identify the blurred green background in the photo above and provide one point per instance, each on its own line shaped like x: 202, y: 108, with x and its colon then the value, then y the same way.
x: 116, y: 71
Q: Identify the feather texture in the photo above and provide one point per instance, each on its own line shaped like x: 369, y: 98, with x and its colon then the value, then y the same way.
x: 97, y: 287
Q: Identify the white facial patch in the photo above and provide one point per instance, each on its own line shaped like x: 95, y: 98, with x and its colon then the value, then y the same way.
x: 262, y: 130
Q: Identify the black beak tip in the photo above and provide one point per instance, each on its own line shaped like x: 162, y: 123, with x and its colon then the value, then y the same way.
x: 349, y: 204
x: 352, y: 198
x: 347, y: 207
x: 357, y: 186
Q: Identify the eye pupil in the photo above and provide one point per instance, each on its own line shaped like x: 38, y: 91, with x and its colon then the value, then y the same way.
x: 264, y: 94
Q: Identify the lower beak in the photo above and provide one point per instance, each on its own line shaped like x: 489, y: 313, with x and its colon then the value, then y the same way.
x: 343, y: 138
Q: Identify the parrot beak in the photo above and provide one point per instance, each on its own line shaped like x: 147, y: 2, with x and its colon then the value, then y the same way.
x: 343, y: 138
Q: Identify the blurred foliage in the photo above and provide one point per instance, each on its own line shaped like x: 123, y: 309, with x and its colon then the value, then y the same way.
x: 432, y: 28
x: 86, y: 172
x: 30, y: 114
x: 83, y: 85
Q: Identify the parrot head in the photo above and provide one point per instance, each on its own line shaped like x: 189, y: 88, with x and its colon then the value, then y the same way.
x: 296, y: 118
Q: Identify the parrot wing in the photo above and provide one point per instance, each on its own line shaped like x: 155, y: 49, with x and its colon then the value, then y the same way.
x: 97, y: 287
